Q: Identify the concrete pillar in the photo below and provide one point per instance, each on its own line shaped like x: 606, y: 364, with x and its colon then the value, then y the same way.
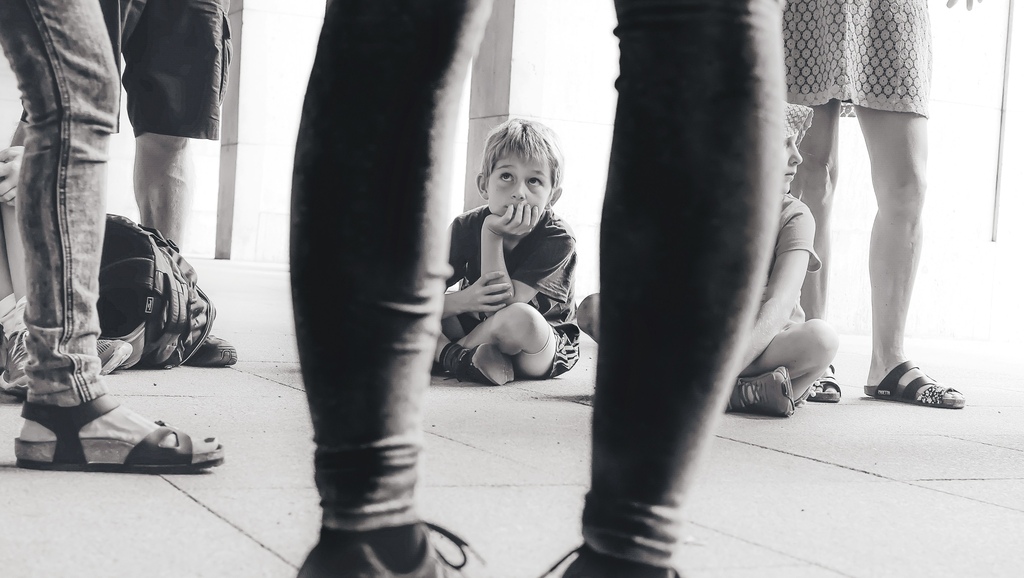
x: 274, y: 42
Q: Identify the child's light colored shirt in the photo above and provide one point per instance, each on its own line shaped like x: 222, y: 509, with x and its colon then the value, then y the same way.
x: 796, y: 233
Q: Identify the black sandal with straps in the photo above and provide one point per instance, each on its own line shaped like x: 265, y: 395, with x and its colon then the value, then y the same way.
x: 68, y: 453
x: 931, y: 393
x: 826, y: 388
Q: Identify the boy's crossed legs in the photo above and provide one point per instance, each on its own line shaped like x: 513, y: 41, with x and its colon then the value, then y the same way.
x: 515, y: 341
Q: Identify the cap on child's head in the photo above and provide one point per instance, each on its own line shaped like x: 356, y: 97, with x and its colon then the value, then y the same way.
x: 798, y: 120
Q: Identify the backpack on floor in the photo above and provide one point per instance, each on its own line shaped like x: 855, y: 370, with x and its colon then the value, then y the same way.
x: 149, y: 296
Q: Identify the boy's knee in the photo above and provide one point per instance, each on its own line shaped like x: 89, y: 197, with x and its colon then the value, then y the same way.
x: 519, y: 322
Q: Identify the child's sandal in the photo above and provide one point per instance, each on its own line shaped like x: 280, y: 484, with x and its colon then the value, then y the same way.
x: 826, y: 388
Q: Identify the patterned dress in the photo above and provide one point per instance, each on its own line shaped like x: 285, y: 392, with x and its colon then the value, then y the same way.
x: 873, y: 53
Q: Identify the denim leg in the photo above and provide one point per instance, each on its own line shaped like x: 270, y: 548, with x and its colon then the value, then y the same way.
x: 693, y: 194
x: 368, y: 253
x: 61, y: 54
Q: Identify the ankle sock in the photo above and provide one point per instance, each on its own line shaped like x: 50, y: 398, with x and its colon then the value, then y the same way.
x: 400, y: 548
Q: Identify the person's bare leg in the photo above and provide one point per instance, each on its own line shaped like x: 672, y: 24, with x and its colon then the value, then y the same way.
x: 164, y: 183
x: 815, y: 185
x: 587, y: 317
x: 898, y: 150
x: 515, y: 329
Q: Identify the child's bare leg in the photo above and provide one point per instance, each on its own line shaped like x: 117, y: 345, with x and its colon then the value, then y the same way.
x: 805, y: 349
x: 518, y: 328
x: 586, y: 316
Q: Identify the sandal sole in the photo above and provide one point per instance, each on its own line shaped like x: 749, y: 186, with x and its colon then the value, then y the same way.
x: 870, y: 390
x: 122, y: 468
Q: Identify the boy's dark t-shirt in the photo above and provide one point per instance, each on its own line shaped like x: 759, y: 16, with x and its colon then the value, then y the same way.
x: 545, y: 260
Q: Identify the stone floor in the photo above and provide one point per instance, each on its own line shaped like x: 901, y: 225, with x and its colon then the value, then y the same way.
x: 863, y: 488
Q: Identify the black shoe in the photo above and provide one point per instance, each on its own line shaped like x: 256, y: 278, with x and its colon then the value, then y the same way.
x: 357, y: 559
x: 214, y: 352
x: 483, y: 364
x: 592, y: 564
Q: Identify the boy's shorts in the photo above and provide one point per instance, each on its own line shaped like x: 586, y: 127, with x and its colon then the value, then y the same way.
x: 567, y: 353
x: 175, y: 63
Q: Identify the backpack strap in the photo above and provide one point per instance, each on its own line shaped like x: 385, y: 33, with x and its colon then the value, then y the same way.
x: 176, y: 319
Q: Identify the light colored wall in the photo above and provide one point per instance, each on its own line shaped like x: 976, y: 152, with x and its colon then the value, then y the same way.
x: 276, y: 43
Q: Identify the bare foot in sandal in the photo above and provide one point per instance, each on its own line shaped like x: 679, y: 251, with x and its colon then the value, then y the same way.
x: 908, y: 384
x: 102, y: 435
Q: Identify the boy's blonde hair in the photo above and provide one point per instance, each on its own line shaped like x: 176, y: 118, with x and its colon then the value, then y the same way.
x: 526, y: 139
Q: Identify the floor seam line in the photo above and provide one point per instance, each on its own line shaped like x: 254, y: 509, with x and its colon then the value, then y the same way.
x: 796, y: 455
x: 911, y: 483
x: 490, y: 453
x: 270, y: 380
x: 229, y: 522
x: 771, y: 549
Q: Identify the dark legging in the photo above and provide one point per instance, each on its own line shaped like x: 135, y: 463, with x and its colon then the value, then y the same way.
x: 688, y: 215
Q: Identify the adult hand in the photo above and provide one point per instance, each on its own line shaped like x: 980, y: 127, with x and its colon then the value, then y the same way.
x: 10, y: 172
x: 488, y: 294
x: 970, y: 3
x: 517, y: 221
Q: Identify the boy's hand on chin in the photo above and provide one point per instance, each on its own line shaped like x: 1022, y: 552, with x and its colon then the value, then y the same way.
x: 517, y: 221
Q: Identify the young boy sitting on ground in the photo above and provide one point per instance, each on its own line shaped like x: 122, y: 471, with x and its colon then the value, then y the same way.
x: 514, y: 313
x: 786, y: 354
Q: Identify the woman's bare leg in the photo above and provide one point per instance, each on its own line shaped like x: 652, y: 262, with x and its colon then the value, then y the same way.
x: 815, y: 185
x: 898, y: 150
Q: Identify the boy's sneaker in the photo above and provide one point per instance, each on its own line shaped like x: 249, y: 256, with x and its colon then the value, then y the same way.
x: 592, y: 564
x: 768, y: 394
x: 113, y: 353
x: 484, y: 363
x: 14, y: 355
x: 358, y: 559
x: 214, y: 352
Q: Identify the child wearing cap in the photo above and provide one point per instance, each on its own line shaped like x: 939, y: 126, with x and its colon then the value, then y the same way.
x: 787, y: 353
x: 513, y: 314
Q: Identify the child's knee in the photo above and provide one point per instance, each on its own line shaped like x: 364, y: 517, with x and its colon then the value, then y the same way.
x: 823, y: 341
x: 521, y: 324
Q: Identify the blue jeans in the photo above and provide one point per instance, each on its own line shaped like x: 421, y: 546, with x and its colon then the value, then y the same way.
x: 62, y: 57
x: 694, y: 165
